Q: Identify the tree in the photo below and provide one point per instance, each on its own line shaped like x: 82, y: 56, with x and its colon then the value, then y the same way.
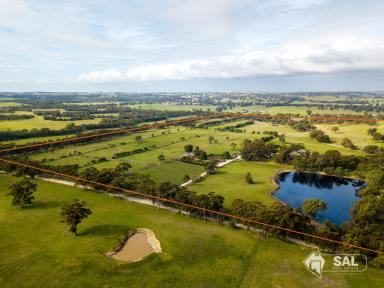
x: 347, y: 143
x: 123, y: 168
x: 227, y: 155
x: 149, y: 187
x: 371, y: 131
x: 210, y: 139
x: 335, y: 129
x: 73, y: 213
x: 371, y: 149
x: 248, y: 178
x: 311, y: 207
x: 320, y: 136
x: 186, y: 178
x: 233, y: 145
x: 257, y: 150
x: 188, y: 148
x: 210, y: 167
x: 161, y: 157
x: 22, y: 192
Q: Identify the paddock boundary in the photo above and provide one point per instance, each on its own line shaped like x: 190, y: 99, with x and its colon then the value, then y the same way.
x: 218, y: 213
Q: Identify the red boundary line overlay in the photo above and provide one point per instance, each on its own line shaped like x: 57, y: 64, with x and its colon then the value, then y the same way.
x: 186, y: 120
x: 192, y: 206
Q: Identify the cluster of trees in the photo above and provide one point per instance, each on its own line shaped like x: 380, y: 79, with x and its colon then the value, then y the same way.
x: 257, y: 150
x: 121, y: 177
x: 301, y: 125
x: 215, y: 122
x: 57, y: 115
x: 311, y: 207
x: 199, y: 153
x: 288, y: 152
x: 368, y: 213
x: 128, y: 153
x: 278, y: 214
x: 320, y: 136
x: 373, y: 149
x: 10, y: 117
x: 347, y: 143
x: 236, y: 128
x: 376, y: 135
x: 331, y: 162
x: 136, y: 117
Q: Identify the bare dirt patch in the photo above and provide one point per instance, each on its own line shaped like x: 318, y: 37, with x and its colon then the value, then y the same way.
x: 138, y: 246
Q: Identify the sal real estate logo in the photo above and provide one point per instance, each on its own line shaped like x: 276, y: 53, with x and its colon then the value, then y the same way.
x: 318, y: 263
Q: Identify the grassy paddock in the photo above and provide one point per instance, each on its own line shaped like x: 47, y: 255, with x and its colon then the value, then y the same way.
x: 35, y: 252
x: 38, y: 122
x: 173, y: 171
x: 229, y: 182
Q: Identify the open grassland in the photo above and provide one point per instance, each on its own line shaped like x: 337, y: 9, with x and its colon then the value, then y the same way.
x: 302, y: 110
x: 36, y: 251
x: 170, y: 143
x: 9, y: 104
x: 356, y: 133
x: 38, y: 139
x: 229, y: 182
x: 173, y: 171
x: 174, y: 107
x: 38, y: 122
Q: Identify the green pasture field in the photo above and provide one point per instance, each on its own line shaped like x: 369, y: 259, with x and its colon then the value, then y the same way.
x: 289, y: 109
x: 92, y: 103
x: 173, y: 171
x: 38, y: 139
x: 356, y: 133
x: 38, y: 122
x: 229, y: 181
x: 37, y: 252
x: 170, y: 143
x: 173, y: 107
x: 8, y: 104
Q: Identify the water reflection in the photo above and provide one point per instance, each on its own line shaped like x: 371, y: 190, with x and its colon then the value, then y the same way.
x: 338, y: 192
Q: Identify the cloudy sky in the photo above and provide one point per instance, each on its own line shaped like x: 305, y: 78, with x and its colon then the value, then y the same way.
x: 191, y: 45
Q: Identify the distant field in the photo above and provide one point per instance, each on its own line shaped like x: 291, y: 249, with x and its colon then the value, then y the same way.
x: 357, y: 133
x: 37, y: 139
x: 173, y: 107
x: 171, y: 142
x: 289, y: 109
x: 196, y: 253
x: 293, y: 136
x: 8, y: 104
x: 229, y: 182
x: 38, y: 122
x: 170, y: 145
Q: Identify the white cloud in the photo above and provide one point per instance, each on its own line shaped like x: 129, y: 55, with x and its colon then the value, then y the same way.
x: 52, y: 42
x: 289, y: 59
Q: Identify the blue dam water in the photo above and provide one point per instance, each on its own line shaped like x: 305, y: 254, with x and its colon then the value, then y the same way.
x: 339, y: 193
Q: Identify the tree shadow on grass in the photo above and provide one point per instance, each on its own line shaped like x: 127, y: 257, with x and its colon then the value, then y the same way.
x: 104, y: 230
x: 44, y: 205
